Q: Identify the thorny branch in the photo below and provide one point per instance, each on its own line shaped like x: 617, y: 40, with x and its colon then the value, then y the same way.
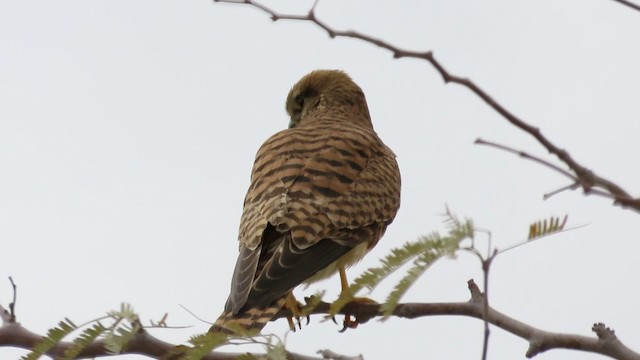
x: 605, y: 342
x: 584, y: 177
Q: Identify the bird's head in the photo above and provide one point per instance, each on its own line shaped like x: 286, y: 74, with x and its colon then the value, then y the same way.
x: 323, y: 90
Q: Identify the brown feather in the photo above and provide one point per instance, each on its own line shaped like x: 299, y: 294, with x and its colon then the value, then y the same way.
x: 322, y: 194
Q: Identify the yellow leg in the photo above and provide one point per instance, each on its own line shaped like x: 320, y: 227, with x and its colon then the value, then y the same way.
x: 349, y: 321
x: 344, y: 284
x: 343, y: 279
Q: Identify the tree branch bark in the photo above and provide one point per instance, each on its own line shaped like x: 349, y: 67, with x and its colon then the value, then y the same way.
x: 588, y: 180
x: 629, y: 4
x: 605, y: 343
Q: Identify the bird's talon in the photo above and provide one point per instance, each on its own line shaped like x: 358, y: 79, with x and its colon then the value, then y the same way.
x: 349, y: 323
x: 292, y: 326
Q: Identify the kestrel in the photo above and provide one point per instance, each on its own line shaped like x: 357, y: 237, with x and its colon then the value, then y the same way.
x: 322, y: 194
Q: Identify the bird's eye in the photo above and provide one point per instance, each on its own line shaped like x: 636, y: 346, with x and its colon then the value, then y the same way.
x: 300, y: 100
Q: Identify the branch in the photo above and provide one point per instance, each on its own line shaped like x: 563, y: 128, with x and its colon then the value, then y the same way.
x: 15, y: 335
x: 629, y: 4
x: 587, y: 179
x: 328, y: 354
x: 606, y: 342
x: 527, y: 156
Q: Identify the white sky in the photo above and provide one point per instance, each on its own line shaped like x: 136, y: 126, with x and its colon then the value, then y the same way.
x: 128, y: 130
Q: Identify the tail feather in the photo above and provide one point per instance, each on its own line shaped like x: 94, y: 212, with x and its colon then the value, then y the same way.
x: 250, y: 320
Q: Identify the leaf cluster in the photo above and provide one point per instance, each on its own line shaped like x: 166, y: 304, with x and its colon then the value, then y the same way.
x: 123, y: 326
x: 421, y: 253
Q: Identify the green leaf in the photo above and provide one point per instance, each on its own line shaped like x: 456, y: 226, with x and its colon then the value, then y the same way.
x: 119, y: 338
x: 83, y: 340
x: 277, y: 352
x: 544, y: 227
x: 423, y: 252
x: 125, y: 312
x: 203, y: 344
x: 374, y: 276
x: 54, y: 336
x: 440, y: 247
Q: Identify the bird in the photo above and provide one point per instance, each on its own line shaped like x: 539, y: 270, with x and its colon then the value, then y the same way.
x: 322, y: 194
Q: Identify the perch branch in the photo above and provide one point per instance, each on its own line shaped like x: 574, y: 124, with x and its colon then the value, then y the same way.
x: 143, y: 343
x: 606, y: 342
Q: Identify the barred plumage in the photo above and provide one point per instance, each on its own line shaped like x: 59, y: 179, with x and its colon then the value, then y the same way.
x: 321, y: 196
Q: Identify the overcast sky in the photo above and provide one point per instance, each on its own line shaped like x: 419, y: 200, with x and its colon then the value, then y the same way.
x: 128, y: 131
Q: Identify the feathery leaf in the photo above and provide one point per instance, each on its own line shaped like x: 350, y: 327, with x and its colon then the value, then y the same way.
x: 440, y: 247
x: 276, y: 352
x: 203, y: 344
x: 54, y: 336
x: 424, y: 251
x: 83, y: 340
x: 116, y: 341
x: 546, y: 227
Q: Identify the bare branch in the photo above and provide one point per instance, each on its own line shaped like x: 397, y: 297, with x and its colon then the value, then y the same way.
x: 558, y: 191
x: 539, y: 340
x: 629, y: 4
x: 525, y: 155
x: 588, y: 180
x: 328, y: 354
x: 12, y: 304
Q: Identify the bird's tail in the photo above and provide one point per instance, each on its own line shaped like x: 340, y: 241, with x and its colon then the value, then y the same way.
x: 247, y: 321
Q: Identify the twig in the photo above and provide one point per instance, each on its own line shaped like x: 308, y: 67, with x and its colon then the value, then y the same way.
x: 588, y: 180
x: 629, y: 4
x: 486, y: 266
x: 12, y: 304
x: 486, y: 262
x: 557, y: 191
x: 328, y: 354
x: 517, y: 245
x: 194, y: 315
x: 525, y: 155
